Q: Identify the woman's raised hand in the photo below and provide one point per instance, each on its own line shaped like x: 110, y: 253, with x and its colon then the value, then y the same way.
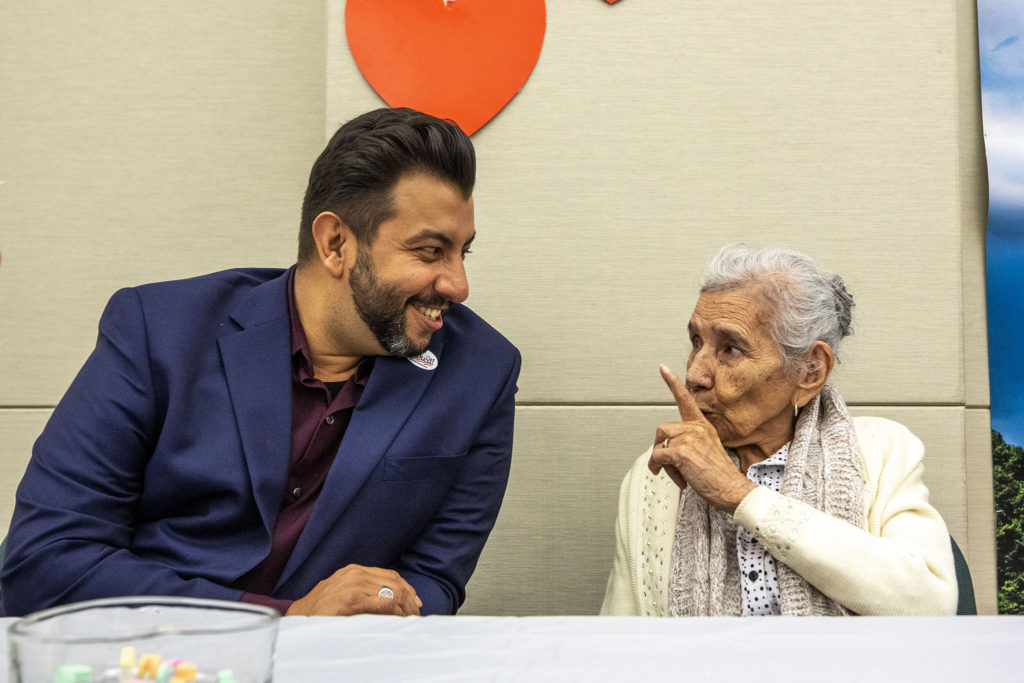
x: 691, y: 453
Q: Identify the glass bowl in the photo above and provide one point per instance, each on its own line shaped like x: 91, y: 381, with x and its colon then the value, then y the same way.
x: 144, y: 638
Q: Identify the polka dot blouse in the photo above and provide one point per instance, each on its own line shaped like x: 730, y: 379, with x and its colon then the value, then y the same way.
x: 757, y: 567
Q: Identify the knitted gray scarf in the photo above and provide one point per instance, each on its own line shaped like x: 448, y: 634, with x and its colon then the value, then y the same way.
x: 822, y: 470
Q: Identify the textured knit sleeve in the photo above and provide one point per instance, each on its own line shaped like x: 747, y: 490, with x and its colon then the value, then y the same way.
x: 620, y: 595
x: 902, y: 564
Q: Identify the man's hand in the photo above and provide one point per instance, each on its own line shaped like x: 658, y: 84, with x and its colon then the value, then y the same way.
x: 691, y: 453
x: 353, y: 589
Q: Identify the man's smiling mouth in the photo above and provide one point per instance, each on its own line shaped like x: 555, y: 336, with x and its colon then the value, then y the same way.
x: 432, y: 313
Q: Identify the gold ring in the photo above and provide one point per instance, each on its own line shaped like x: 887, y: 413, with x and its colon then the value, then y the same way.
x: 664, y: 444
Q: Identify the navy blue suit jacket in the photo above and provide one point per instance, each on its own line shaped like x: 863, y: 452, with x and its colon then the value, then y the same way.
x: 162, y: 469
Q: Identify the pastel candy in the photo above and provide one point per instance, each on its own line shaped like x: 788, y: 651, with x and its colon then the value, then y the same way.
x: 186, y: 671
x: 149, y: 665
x: 164, y: 673
x: 73, y: 673
x: 225, y: 676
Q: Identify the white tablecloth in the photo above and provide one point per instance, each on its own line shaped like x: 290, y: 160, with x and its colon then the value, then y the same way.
x: 625, y: 650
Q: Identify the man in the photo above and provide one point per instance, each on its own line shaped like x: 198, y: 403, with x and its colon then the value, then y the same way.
x: 330, y: 439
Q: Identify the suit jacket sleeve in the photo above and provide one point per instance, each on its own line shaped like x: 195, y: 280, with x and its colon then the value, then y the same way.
x: 72, y: 529
x: 442, y: 559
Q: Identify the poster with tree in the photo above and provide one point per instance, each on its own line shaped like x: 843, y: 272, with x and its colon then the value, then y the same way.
x: 1001, y: 57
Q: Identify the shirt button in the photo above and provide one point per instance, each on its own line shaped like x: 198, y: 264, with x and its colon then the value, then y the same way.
x: 297, y: 491
x: 752, y: 575
x: 329, y: 420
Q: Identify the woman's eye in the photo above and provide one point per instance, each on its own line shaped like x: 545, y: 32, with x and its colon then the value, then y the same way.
x: 732, y: 350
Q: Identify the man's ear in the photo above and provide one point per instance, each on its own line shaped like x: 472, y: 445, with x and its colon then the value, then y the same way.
x: 335, y: 243
x: 819, y: 363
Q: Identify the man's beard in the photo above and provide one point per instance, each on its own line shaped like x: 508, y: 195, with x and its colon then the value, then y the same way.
x: 382, y: 309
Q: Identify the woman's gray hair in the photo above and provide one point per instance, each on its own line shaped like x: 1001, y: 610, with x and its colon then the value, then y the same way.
x: 810, y: 304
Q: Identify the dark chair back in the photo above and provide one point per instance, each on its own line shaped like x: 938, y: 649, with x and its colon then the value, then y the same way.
x: 965, y: 603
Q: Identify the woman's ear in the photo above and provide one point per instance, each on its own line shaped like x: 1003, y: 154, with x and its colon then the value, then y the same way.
x: 335, y: 243
x: 820, y: 360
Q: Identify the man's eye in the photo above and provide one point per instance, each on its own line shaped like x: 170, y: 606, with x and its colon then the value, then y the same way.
x: 466, y: 252
x: 695, y: 341
x: 732, y: 350
x: 431, y: 251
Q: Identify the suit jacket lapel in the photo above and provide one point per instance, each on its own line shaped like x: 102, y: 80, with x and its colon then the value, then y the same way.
x: 392, y: 393
x: 257, y: 366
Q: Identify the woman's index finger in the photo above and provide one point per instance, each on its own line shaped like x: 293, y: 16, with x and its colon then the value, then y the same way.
x: 688, y: 409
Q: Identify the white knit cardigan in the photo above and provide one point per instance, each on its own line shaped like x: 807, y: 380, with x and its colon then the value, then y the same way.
x: 902, y: 564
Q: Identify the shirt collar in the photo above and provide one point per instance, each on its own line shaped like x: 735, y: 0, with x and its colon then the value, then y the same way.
x: 777, y: 459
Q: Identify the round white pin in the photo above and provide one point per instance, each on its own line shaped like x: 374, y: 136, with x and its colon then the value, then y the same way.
x: 426, y: 360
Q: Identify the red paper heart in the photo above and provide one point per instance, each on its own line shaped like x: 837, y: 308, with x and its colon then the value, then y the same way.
x: 461, y: 60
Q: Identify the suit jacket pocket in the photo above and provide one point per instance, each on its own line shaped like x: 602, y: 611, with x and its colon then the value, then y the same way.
x: 423, y: 467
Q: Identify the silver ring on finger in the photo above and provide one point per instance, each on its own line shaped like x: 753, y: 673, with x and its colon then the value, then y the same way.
x: 386, y: 593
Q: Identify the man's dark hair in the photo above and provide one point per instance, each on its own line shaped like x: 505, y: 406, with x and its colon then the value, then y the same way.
x: 355, y: 174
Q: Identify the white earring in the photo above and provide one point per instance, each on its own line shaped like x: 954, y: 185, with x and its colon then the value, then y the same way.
x: 796, y: 410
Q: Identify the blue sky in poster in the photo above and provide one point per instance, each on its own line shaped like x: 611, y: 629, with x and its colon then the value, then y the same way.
x: 1001, y: 53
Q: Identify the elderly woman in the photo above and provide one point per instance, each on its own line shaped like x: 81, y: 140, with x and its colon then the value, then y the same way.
x: 766, y: 497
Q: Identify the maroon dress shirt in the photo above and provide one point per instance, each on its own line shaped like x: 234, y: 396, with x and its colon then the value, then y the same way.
x: 320, y: 416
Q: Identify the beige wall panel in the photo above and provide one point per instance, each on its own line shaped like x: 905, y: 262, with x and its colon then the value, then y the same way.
x: 973, y: 206
x: 552, y: 546
x: 143, y: 141
x: 981, y: 530
x: 18, y: 431
x: 650, y: 133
